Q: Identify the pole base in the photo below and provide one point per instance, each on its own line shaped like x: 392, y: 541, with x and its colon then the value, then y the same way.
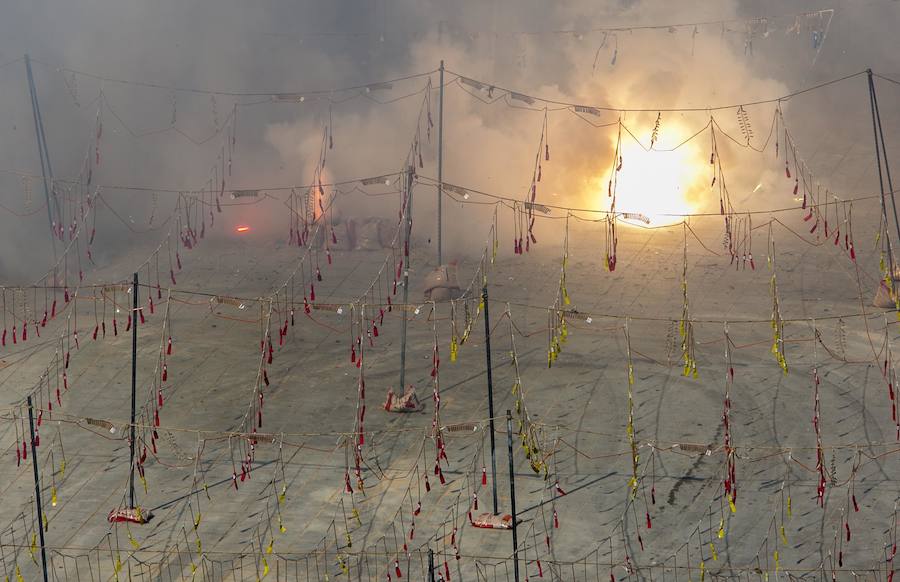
x: 128, y: 514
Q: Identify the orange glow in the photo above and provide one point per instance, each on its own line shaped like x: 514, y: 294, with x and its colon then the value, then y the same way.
x: 661, y: 184
x: 243, y: 229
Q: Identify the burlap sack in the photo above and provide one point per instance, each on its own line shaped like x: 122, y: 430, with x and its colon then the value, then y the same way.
x: 367, y: 235
x: 883, y: 298
x: 491, y: 521
x: 441, y: 284
x: 387, y: 231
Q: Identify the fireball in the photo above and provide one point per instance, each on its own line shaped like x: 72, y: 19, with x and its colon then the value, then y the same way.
x: 662, y: 184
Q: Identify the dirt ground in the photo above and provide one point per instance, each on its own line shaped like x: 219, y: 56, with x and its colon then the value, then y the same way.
x: 675, y: 523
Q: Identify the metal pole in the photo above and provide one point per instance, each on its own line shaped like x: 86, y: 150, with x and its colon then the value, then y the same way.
x: 134, y: 326
x: 46, y: 169
x: 876, y: 115
x: 881, y: 179
x: 512, y: 494
x: 430, y: 565
x: 406, y: 258
x: 440, y: 168
x: 37, y: 489
x: 490, y: 386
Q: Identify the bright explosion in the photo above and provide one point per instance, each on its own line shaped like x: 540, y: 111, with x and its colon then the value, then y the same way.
x: 660, y: 185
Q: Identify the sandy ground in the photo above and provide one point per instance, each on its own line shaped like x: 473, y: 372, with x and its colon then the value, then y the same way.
x: 579, y: 409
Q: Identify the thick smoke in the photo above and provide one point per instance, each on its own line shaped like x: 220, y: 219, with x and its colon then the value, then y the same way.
x: 286, y: 46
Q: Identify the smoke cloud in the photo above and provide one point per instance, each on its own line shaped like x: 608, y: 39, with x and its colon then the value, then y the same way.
x: 288, y: 46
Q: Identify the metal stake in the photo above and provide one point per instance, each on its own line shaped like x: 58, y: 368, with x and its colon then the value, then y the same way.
x: 440, y: 168
x: 512, y: 494
x: 879, y: 136
x: 134, y: 326
x: 37, y: 489
x: 490, y: 387
x: 410, y: 173
x: 46, y: 169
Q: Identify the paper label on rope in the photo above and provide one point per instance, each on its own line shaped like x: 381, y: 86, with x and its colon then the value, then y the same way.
x: 536, y: 206
x: 454, y: 188
x: 521, y: 97
x: 586, y: 109
x: 636, y: 216
x: 471, y: 83
x: 376, y: 180
x: 232, y: 301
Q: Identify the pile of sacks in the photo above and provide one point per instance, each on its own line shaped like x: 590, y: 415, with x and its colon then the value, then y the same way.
x: 442, y: 284
x: 353, y: 234
x: 884, y: 298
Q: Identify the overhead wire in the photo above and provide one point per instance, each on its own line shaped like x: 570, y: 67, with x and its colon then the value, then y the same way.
x: 232, y: 93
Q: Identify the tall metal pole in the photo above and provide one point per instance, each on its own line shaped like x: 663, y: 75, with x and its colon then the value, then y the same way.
x: 37, y: 489
x: 134, y: 326
x: 879, y: 136
x: 440, y: 192
x: 406, y: 257
x: 512, y: 494
x: 430, y: 565
x: 490, y: 386
x: 46, y: 169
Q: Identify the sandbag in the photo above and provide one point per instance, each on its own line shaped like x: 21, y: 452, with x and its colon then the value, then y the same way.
x: 491, y: 521
x: 368, y: 237
x: 883, y: 299
x: 387, y: 232
x: 128, y: 514
x: 408, y: 402
x: 441, y: 284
